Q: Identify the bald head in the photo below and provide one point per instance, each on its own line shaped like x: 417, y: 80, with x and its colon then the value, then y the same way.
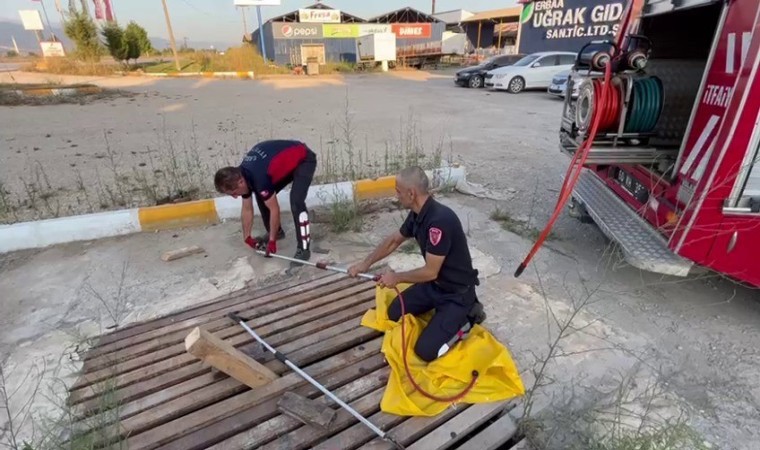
x: 414, y: 178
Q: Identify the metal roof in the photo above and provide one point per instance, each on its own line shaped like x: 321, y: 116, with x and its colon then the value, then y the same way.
x: 494, y: 14
x: 405, y: 15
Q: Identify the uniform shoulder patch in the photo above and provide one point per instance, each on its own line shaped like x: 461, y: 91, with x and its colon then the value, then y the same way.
x: 435, y: 235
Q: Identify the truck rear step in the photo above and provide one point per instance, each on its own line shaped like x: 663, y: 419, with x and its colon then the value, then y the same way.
x: 643, y: 247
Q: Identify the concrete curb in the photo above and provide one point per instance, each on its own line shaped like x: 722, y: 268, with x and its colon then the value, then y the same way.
x: 241, y: 75
x: 49, y: 92
x: 43, y: 233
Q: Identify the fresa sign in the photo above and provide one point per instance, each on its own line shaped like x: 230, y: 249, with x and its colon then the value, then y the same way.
x: 412, y: 30
x: 571, y: 23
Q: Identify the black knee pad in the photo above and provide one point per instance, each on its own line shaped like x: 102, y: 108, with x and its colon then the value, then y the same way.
x: 425, y: 353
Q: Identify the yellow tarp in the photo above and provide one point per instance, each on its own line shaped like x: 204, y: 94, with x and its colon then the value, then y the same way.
x: 446, y: 376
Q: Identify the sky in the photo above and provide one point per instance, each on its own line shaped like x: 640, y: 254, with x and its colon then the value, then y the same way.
x: 221, y: 21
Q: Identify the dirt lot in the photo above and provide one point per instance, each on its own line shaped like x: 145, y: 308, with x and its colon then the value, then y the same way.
x: 637, y: 344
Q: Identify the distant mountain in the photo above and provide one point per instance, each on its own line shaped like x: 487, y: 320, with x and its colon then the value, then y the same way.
x: 27, y: 40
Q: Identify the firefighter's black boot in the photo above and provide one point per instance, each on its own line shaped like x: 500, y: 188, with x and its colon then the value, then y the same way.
x: 477, y: 314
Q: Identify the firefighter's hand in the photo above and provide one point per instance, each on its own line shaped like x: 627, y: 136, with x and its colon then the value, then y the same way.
x: 388, y: 279
x: 271, y: 247
x: 358, y: 268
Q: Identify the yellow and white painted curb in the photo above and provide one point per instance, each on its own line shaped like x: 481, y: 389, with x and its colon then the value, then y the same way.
x: 48, y: 92
x: 42, y: 233
x: 241, y: 75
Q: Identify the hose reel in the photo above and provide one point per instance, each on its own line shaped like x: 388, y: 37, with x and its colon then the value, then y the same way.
x: 637, y: 102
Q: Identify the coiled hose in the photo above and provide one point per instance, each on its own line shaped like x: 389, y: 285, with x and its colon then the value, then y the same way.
x: 646, y: 105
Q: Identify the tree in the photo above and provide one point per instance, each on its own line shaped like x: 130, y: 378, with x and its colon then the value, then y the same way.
x: 81, y: 29
x: 140, y: 36
x: 115, y: 41
x: 126, y: 44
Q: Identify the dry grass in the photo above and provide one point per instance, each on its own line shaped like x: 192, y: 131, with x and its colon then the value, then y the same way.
x: 175, y: 169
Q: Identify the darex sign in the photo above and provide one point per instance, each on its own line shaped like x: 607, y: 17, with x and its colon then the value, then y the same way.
x: 566, y: 25
x: 282, y: 30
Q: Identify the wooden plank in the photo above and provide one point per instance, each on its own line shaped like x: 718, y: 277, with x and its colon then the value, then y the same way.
x: 234, y: 333
x: 234, y: 432
x: 169, y: 409
x: 304, y: 437
x: 493, y: 436
x: 416, y: 427
x: 173, y: 409
x: 139, y: 373
x: 458, y: 427
x: 359, y: 434
x: 180, y: 253
x: 167, y: 432
x: 286, y: 287
x: 226, y: 358
x: 152, y: 340
x: 143, y: 382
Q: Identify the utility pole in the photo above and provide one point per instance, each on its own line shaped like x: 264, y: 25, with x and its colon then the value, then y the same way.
x: 42, y: 2
x: 433, y: 8
x: 245, y: 24
x: 171, y: 36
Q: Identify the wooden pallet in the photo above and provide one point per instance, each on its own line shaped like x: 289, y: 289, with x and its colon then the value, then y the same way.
x: 168, y: 399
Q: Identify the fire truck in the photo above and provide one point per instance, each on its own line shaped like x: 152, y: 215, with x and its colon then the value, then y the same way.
x: 664, y: 135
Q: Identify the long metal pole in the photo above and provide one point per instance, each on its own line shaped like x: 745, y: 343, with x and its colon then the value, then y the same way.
x: 284, y: 359
x: 171, y: 36
x: 323, y: 266
x: 261, y: 35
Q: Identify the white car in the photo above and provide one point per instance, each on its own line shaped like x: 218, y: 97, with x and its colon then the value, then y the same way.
x: 559, y: 83
x: 533, y: 71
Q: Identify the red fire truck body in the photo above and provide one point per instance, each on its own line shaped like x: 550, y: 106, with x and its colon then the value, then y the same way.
x: 684, y: 192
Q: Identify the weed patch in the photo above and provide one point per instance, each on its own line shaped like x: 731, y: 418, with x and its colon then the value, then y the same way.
x: 517, y: 226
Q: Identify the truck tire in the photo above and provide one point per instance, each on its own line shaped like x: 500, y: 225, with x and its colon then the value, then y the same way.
x: 516, y: 85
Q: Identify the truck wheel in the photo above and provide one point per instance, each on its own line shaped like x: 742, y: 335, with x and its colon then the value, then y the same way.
x: 516, y: 85
x: 476, y: 81
x: 578, y: 211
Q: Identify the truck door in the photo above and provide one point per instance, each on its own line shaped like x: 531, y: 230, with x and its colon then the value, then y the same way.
x: 708, y: 144
x: 737, y: 244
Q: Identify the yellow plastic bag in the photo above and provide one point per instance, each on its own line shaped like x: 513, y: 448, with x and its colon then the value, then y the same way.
x: 446, y: 376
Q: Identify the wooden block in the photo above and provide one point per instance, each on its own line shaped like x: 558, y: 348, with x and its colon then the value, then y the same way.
x: 171, y: 255
x: 226, y: 358
x: 306, y: 410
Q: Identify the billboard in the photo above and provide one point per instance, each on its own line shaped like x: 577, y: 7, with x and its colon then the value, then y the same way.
x: 319, y: 15
x: 288, y: 30
x: 412, y: 30
x: 342, y: 30
x: 31, y: 19
x: 566, y: 25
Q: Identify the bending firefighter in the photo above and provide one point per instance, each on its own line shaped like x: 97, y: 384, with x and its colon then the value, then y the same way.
x: 265, y: 170
x: 446, y: 283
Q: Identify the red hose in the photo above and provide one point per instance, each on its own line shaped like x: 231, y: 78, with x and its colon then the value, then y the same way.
x: 567, y: 187
x: 582, y: 152
x: 409, y: 373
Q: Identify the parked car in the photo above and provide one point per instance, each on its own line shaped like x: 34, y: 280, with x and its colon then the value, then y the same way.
x: 533, y: 71
x: 474, y: 76
x: 558, y: 86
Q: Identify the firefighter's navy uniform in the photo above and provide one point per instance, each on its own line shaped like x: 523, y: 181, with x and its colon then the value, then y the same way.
x: 438, y: 231
x: 270, y: 166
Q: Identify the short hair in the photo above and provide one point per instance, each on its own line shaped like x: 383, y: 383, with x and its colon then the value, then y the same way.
x: 415, y: 177
x: 226, y: 178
